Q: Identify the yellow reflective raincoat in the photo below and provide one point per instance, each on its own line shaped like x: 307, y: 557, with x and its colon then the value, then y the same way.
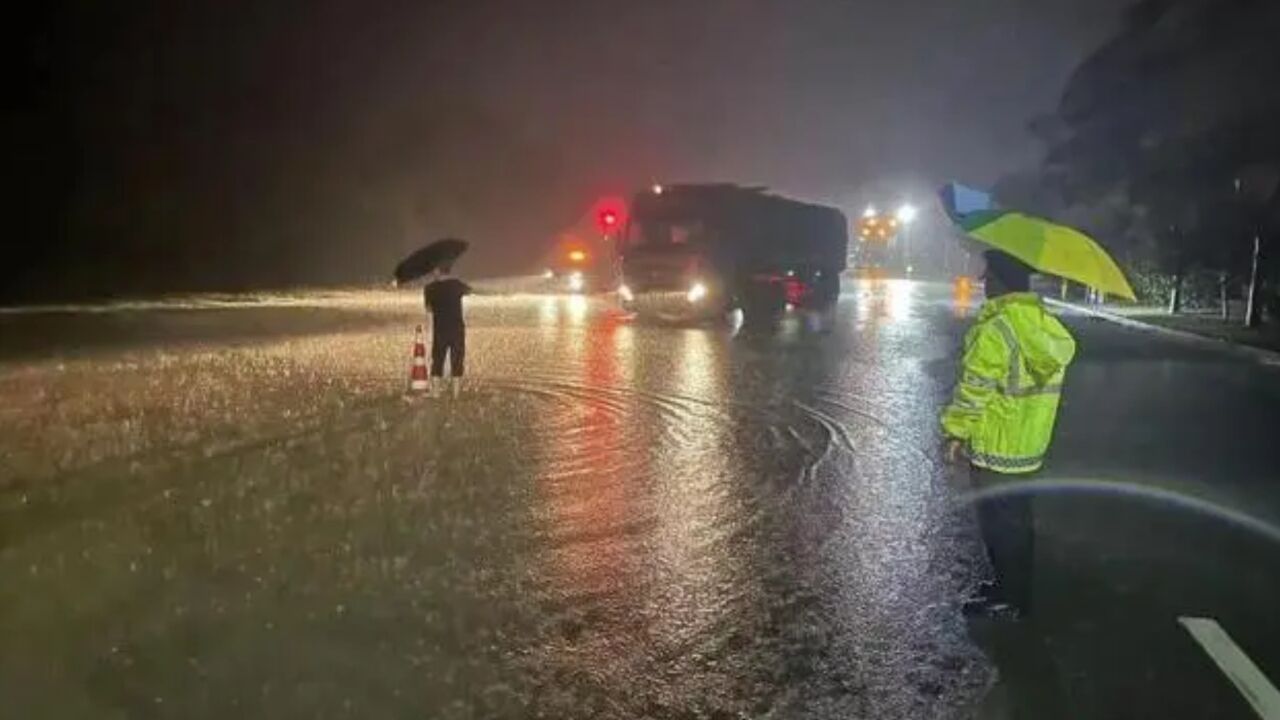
x: 1005, y: 403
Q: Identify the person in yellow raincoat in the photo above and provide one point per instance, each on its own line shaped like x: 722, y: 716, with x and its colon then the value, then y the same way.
x: 1001, y: 417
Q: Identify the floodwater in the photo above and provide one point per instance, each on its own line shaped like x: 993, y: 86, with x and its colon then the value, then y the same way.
x: 234, y: 511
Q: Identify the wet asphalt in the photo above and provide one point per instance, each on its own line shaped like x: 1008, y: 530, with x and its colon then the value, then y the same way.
x: 235, y: 511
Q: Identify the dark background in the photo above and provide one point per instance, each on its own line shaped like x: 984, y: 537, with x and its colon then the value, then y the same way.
x: 158, y: 146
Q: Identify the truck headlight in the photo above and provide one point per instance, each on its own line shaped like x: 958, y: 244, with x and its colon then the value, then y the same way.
x: 696, y: 292
x: 575, y: 282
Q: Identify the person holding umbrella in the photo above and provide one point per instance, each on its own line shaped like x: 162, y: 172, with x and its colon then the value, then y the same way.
x: 1000, y: 421
x: 442, y: 297
x: 1001, y: 416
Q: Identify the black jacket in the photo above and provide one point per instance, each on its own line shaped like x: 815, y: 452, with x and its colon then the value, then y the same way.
x: 443, y: 299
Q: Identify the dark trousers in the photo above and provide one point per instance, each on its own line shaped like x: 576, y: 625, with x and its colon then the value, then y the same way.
x: 1008, y: 532
x: 452, y: 346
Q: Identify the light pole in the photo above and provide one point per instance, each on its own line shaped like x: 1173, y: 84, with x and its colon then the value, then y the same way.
x: 1258, y: 186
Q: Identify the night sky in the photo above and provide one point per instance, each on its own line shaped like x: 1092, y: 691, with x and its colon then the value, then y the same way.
x: 194, y: 145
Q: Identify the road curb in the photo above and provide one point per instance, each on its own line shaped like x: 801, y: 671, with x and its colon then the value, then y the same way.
x: 1270, y: 357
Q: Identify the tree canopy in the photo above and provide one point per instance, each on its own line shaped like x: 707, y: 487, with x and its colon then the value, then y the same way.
x: 1167, y: 138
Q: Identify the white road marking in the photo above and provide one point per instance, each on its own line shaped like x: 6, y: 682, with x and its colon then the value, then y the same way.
x: 1237, y: 666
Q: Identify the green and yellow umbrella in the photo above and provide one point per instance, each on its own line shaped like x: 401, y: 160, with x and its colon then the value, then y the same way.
x: 1048, y: 247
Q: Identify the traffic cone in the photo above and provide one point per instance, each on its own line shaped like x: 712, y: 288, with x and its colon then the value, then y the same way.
x: 418, y: 381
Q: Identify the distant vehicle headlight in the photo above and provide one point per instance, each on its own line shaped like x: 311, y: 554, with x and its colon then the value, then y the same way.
x: 575, y: 282
x: 696, y: 292
x: 625, y: 293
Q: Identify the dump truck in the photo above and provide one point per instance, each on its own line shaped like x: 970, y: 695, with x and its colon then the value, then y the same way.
x: 702, y: 250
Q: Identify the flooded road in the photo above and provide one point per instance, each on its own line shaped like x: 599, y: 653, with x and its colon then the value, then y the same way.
x: 235, y: 512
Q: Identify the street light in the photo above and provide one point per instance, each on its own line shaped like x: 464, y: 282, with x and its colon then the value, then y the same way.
x: 906, y: 213
x: 870, y: 212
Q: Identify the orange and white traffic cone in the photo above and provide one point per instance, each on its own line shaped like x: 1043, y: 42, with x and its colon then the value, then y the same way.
x: 418, y: 381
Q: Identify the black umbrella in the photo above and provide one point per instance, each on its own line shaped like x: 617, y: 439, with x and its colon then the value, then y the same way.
x: 428, y: 258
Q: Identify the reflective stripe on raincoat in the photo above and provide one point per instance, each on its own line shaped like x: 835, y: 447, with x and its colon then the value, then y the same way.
x: 1005, y: 403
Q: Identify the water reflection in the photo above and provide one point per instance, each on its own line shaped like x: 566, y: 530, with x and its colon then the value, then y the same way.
x: 686, y: 503
x: 576, y: 309
x: 548, y: 311
x: 693, y: 474
x: 590, y: 498
x: 636, y: 495
x: 871, y: 305
x: 698, y: 483
x: 880, y: 299
x: 901, y: 298
x: 557, y: 310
